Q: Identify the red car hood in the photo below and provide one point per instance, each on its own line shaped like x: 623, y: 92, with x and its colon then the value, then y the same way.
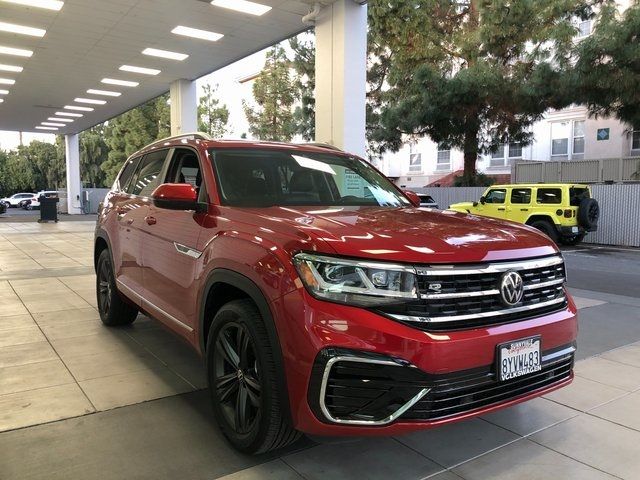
x: 409, y: 234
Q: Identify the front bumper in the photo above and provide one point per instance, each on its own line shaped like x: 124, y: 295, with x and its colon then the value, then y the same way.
x: 437, y: 377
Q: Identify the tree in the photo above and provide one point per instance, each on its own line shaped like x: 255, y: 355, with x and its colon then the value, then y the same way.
x: 129, y: 132
x: 472, y: 74
x: 93, y: 153
x: 273, y: 92
x: 212, y: 117
x: 304, y: 64
x: 607, y: 73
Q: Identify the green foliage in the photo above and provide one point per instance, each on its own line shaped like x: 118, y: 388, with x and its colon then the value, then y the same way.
x: 33, y: 167
x: 212, y: 117
x: 478, y: 180
x: 304, y: 64
x: 93, y: 153
x: 274, y: 95
x: 471, y: 74
x: 129, y: 132
x: 607, y: 74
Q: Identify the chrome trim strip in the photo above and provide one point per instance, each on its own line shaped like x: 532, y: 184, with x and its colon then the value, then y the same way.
x: 560, y: 353
x: 490, y: 268
x: 455, y: 318
x: 557, y: 281
x: 432, y: 296
x: 384, y: 421
x: 188, y: 251
x: 152, y: 305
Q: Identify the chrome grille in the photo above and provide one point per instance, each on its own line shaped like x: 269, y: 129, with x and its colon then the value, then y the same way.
x: 467, y: 296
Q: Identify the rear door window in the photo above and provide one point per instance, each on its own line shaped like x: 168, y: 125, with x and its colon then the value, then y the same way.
x: 549, y: 196
x: 125, y: 176
x: 148, y: 176
x: 521, y: 196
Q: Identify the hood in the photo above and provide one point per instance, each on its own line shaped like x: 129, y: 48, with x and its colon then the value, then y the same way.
x: 416, y: 235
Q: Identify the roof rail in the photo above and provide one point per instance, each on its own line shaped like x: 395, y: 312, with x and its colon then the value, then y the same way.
x: 195, y: 135
x: 321, y: 145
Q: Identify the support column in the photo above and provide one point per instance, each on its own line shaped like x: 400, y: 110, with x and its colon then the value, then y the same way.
x: 74, y: 183
x: 184, y: 107
x: 341, y: 76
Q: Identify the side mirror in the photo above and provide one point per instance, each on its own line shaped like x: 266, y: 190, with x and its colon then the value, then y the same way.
x: 413, y: 197
x: 483, y: 200
x: 175, y: 196
x: 475, y: 204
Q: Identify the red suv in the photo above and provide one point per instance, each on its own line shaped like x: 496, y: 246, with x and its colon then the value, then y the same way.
x: 322, y: 298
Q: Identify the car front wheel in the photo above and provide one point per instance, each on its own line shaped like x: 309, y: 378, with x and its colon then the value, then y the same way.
x: 242, y: 381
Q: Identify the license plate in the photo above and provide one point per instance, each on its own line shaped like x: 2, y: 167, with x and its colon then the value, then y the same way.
x: 574, y: 230
x: 518, y: 358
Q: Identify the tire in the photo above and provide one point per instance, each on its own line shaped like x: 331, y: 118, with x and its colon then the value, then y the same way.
x: 575, y: 240
x: 547, y: 228
x: 242, y: 381
x: 114, y: 310
x: 588, y: 213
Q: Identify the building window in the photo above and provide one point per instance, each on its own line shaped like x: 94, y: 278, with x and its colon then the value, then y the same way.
x: 415, y: 162
x: 567, y: 139
x: 584, y: 28
x: 505, y: 154
x: 444, y: 159
x: 635, y: 142
x: 578, y: 137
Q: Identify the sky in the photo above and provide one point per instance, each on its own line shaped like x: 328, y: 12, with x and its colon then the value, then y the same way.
x: 230, y: 91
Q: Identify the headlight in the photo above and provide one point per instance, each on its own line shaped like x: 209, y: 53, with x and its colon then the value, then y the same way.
x: 355, y: 282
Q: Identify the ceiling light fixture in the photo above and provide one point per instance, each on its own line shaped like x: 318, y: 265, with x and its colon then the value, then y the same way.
x: 58, y: 119
x: 69, y: 114
x: 1, y: 100
x: 7, y: 81
x: 4, y: 92
x: 124, y: 83
x: 154, y: 52
x: 13, y: 28
x: 106, y: 93
x: 46, y: 128
x: 51, y: 124
x: 90, y: 101
x: 18, y: 52
x: 10, y: 68
x: 80, y: 109
x: 144, y: 71
x: 48, y: 4
x: 197, y: 33
x: 243, y: 6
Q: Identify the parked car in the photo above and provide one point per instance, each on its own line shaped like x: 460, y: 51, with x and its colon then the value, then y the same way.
x: 3, y: 208
x: 427, y: 201
x: 34, y: 202
x: 14, y: 200
x: 322, y: 300
x: 565, y: 212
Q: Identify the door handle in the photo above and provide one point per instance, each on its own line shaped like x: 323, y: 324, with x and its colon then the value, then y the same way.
x: 524, y: 209
x: 501, y: 208
x: 150, y: 220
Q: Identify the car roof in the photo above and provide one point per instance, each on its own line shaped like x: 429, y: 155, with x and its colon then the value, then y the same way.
x: 203, y: 140
x: 543, y: 185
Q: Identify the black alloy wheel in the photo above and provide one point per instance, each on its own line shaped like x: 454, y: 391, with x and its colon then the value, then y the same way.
x: 113, y: 308
x: 237, y: 377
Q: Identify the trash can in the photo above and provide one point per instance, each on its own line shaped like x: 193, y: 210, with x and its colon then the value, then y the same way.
x: 48, y: 208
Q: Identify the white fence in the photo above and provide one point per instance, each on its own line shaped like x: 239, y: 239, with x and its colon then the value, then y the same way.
x: 619, y: 210
x: 583, y: 171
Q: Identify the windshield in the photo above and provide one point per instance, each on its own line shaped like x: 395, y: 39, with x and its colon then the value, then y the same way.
x: 258, y: 178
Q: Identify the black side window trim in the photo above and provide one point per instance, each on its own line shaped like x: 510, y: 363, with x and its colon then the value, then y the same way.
x: 136, y: 160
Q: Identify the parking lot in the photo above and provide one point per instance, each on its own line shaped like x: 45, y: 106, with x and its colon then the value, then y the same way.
x: 78, y: 400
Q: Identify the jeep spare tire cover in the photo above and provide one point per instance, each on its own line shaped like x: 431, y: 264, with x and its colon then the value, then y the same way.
x: 588, y: 212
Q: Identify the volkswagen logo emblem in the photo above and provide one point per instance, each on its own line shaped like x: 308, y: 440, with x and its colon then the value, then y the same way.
x: 511, y: 288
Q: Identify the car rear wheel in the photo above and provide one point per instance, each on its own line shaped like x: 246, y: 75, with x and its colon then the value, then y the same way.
x: 114, y: 310
x: 242, y: 381
x: 547, y: 228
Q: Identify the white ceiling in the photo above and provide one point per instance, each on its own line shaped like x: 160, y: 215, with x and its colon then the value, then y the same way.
x: 90, y: 39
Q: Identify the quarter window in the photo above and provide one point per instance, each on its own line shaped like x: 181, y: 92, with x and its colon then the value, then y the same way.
x: 148, y: 177
x: 521, y: 195
x: 496, y: 196
x: 549, y: 196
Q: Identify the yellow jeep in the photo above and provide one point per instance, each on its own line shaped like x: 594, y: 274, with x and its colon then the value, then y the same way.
x: 563, y: 211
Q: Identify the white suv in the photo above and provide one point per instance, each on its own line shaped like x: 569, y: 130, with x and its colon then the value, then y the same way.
x: 14, y: 200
